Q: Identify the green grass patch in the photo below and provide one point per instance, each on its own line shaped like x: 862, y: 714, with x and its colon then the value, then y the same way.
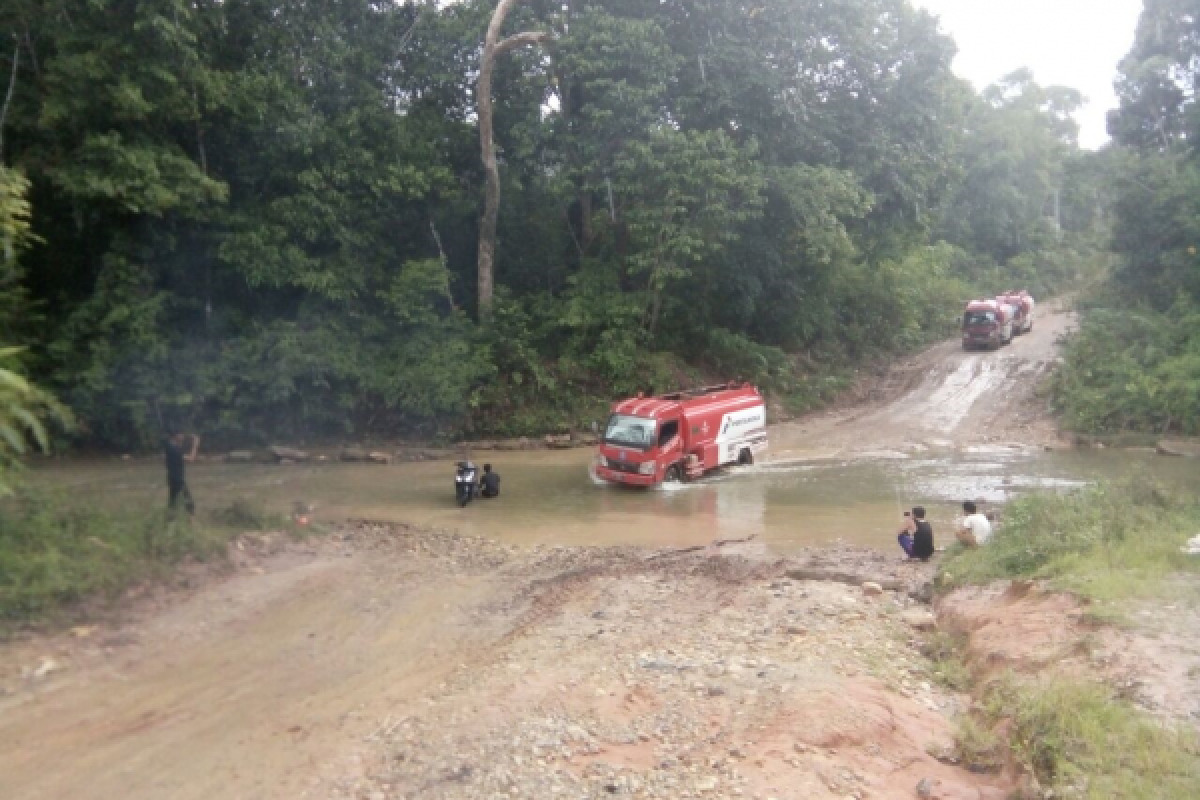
x: 1108, y: 544
x: 947, y: 666
x: 246, y: 515
x: 1081, y: 741
x: 55, y: 554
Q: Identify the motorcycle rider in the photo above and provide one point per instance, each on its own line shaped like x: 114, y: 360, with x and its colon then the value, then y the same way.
x: 489, y: 484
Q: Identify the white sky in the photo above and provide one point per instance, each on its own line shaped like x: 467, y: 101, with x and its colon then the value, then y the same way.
x: 1074, y: 43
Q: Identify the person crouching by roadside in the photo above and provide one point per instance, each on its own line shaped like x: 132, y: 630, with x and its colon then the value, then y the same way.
x: 974, y: 529
x: 489, y: 484
x: 916, y: 538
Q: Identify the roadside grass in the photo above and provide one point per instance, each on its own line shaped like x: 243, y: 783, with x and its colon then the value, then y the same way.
x: 1108, y: 544
x: 947, y: 665
x: 56, y: 554
x: 1111, y: 545
x: 1079, y: 740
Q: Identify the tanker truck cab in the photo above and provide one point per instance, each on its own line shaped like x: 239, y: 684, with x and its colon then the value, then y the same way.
x: 675, y: 437
x: 987, y: 323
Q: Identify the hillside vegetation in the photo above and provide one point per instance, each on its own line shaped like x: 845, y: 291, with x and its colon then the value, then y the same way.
x: 1135, y: 366
x: 261, y: 218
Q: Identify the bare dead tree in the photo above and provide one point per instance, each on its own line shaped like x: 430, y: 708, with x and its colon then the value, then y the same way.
x: 493, y: 48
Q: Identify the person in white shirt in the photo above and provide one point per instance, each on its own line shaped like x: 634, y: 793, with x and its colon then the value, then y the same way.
x: 975, y: 529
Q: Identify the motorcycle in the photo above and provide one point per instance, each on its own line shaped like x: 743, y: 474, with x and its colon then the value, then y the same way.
x: 466, y: 483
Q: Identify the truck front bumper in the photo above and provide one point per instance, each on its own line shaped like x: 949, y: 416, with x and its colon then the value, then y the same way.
x: 626, y: 478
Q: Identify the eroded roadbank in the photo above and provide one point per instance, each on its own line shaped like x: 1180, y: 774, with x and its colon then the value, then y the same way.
x: 392, y: 662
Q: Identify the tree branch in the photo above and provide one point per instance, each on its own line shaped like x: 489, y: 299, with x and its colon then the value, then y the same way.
x: 520, y: 40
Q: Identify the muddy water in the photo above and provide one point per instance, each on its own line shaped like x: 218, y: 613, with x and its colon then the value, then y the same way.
x: 549, y: 498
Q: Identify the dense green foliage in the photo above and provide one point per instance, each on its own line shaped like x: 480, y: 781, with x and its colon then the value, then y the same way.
x: 1136, y: 363
x: 1133, y: 370
x: 24, y: 408
x: 258, y: 218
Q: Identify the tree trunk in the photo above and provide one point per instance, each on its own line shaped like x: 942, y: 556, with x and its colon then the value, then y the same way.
x: 493, y: 48
x: 8, y: 96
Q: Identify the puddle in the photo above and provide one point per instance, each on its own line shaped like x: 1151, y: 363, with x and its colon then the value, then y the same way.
x: 550, y: 497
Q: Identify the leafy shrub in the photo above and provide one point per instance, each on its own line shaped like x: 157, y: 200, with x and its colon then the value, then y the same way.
x: 1133, y: 370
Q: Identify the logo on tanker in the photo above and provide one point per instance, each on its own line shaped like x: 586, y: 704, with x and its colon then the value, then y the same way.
x: 742, y: 419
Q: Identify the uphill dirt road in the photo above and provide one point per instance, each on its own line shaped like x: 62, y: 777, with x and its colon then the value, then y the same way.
x: 947, y: 397
x: 395, y: 662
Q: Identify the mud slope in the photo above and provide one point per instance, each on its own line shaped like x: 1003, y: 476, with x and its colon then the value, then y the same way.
x: 946, y: 397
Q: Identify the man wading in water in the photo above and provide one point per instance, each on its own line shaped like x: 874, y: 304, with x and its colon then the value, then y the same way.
x: 176, y: 484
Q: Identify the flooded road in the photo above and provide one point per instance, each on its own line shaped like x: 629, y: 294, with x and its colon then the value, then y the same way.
x: 549, y: 497
x: 948, y: 426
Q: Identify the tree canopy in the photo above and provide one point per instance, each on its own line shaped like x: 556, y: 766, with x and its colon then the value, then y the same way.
x: 263, y: 216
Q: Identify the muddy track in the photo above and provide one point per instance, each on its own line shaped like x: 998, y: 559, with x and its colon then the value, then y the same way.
x: 945, y: 397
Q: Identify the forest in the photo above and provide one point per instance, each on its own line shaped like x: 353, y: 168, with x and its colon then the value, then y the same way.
x: 1135, y: 366
x: 269, y: 218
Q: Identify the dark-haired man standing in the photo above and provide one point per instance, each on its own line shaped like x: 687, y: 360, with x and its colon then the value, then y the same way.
x: 177, y: 487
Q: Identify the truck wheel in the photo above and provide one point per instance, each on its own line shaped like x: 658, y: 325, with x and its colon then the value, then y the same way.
x: 745, y: 458
x: 673, y: 475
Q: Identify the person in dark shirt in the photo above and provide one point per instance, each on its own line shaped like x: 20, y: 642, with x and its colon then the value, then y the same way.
x: 916, y: 539
x: 489, y: 484
x: 177, y: 488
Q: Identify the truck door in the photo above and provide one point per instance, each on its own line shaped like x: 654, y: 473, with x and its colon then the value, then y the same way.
x: 670, y: 443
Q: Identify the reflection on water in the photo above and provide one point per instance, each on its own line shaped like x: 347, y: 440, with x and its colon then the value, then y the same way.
x: 549, y: 498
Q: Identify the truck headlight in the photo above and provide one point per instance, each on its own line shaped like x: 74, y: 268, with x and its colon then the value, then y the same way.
x: 601, y: 461
x: 647, y: 468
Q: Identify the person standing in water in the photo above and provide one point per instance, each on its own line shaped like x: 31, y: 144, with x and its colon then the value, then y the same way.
x: 916, y: 538
x: 177, y: 488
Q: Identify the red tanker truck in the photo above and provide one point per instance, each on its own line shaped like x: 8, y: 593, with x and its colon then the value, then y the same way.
x: 987, y: 323
x: 1023, y: 302
x: 681, y: 436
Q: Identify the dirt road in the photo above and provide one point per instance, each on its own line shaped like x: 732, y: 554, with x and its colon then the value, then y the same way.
x: 399, y: 663
x: 946, y: 397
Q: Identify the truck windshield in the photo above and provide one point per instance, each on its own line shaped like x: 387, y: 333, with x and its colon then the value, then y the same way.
x: 626, y: 431
x: 979, y: 318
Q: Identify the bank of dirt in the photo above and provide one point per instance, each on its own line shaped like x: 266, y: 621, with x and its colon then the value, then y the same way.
x: 396, y: 662
x: 1151, y: 660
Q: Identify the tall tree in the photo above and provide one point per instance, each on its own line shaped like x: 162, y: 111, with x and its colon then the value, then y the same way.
x: 493, y: 48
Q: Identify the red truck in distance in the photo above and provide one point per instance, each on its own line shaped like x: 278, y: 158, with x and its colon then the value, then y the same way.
x: 993, y: 322
x: 988, y: 324
x: 681, y: 436
x: 1023, y: 302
